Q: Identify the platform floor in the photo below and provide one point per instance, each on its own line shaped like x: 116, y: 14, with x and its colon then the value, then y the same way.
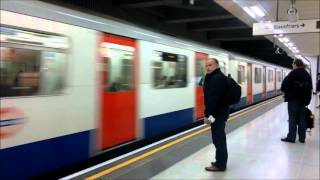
x: 255, y: 152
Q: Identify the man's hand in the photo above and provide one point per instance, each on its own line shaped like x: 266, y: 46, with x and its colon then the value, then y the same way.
x: 206, y: 121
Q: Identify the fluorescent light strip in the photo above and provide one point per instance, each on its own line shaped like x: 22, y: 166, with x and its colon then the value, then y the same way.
x: 290, y: 44
x: 248, y: 11
x: 257, y: 11
x: 281, y: 40
x: 285, y: 39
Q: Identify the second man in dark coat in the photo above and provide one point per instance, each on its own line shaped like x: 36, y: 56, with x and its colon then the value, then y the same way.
x: 297, y: 88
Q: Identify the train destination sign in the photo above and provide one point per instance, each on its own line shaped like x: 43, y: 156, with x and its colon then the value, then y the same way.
x: 286, y: 27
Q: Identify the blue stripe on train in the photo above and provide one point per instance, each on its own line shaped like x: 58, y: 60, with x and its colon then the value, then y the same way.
x: 270, y: 94
x: 160, y: 124
x: 242, y: 103
x: 257, y: 97
x: 25, y: 161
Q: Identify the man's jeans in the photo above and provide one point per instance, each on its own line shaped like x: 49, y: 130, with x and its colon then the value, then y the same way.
x: 296, y: 118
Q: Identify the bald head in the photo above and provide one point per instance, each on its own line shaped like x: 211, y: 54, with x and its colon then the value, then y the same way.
x: 211, y: 65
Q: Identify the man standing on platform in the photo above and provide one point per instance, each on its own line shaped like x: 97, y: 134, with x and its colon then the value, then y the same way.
x: 216, y: 112
x: 297, y: 88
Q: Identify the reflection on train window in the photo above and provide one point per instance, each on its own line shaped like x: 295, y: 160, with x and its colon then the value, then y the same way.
x: 270, y: 75
x: 118, y: 61
x: 31, y: 66
x: 169, y: 70
x: 257, y: 75
x: 279, y: 76
x: 200, y: 71
x: 241, y: 74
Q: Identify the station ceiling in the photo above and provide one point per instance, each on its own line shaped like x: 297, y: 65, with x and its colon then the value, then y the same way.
x: 204, y: 21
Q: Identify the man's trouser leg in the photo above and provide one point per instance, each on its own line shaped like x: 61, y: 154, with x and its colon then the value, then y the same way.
x: 293, y: 110
x: 220, y: 143
x: 301, y: 122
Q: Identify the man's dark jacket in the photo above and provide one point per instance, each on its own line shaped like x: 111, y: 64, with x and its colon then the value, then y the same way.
x: 215, y: 86
x: 297, y: 86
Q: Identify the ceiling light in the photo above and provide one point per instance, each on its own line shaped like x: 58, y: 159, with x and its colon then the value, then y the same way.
x: 285, y: 39
x: 290, y: 44
x: 257, y: 11
x: 248, y: 11
x: 294, y: 48
x: 281, y: 40
x: 298, y: 56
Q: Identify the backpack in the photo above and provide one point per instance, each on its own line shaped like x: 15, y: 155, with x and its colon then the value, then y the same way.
x: 309, y: 118
x: 233, y: 92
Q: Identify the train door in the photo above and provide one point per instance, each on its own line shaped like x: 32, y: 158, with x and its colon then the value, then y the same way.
x: 264, y: 83
x: 200, y: 73
x: 249, y: 84
x: 118, y: 96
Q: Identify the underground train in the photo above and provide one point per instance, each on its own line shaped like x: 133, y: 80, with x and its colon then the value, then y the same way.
x: 74, y: 85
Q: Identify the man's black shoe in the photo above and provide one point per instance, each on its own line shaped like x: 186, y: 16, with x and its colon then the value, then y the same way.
x: 287, y: 140
x: 214, y: 169
x: 302, y: 140
x: 213, y: 163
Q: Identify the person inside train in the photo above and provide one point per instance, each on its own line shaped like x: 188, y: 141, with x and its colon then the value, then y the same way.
x: 161, y: 83
x: 297, y: 88
x: 216, y: 112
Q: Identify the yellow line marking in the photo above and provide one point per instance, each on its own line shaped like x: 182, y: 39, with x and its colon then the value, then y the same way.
x: 121, y: 165
x: 149, y: 153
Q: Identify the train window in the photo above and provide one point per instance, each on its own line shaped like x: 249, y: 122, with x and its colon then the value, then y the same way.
x: 241, y: 74
x: 270, y: 75
x: 257, y: 75
x: 279, y: 76
x: 200, y: 71
x: 169, y: 70
x: 31, y: 63
x: 118, y: 62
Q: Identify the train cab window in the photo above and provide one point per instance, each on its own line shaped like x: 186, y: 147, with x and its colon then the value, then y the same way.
x: 169, y: 70
x: 279, y: 78
x: 118, y: 62
x: 257, y: 75
x: 32, y: 63
x: 270, y: 75
x: 241, y: 74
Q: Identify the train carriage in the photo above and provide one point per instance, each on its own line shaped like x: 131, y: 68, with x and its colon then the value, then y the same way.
x: 73, y: 82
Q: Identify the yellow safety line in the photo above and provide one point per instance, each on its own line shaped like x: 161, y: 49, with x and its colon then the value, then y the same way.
x: 149, y: 153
